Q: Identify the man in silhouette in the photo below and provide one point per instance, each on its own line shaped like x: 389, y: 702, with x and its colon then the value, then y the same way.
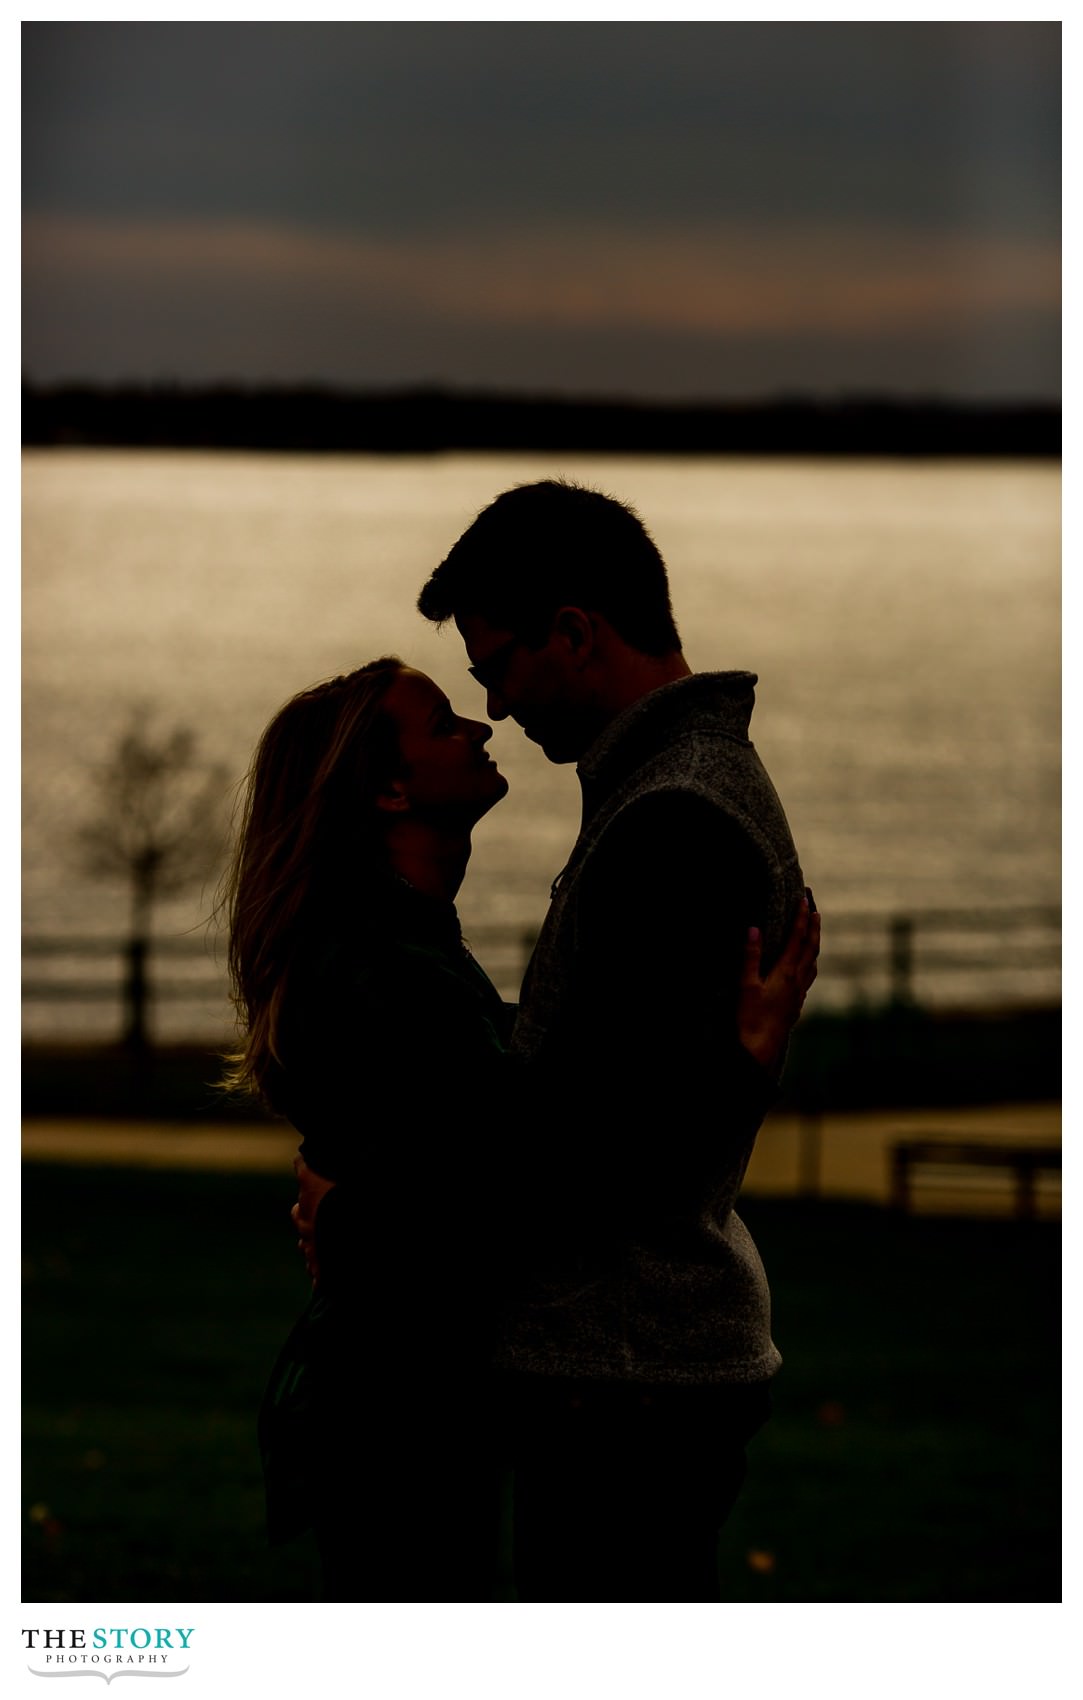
x: 636, y: 1352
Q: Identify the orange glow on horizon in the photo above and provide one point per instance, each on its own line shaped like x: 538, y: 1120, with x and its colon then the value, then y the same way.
x: 861, y: 283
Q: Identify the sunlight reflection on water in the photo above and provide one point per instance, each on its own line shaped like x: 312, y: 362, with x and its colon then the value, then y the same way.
x: 902, y: 618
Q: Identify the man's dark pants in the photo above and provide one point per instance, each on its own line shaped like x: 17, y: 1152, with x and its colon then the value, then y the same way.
x: 620, y: 1490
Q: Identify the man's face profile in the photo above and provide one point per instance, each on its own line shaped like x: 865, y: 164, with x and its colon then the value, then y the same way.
x: 530, y: 684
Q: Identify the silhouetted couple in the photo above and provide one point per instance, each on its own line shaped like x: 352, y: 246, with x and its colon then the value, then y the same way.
x: 521, y: 1222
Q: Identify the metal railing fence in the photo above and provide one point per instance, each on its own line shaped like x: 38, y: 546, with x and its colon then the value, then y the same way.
x: 927, y: 956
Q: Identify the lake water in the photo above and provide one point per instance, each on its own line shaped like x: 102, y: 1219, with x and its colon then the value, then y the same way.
x: 903, y: 619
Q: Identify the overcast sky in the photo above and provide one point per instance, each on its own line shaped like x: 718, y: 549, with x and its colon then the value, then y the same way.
x: 689, y: 209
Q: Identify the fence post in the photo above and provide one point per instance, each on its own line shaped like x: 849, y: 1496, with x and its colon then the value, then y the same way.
x: 901, y: 960
x: 136, y: 996
x: 809, y: 1151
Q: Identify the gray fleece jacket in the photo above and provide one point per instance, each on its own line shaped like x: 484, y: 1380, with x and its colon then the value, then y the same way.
x: 641, y: 1270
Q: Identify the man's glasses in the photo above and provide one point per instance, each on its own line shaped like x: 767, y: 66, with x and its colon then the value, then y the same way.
x: 490, y: 672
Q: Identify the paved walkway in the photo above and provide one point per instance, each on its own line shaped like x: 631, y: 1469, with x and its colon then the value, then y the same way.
x: 848, y: 1155
x: 251, y: 1147
x: 837, y: 1156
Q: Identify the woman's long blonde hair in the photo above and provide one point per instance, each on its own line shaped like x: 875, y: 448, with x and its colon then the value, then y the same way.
x: 306, y: 847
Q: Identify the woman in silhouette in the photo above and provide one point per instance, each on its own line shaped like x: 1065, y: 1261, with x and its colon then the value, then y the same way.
x: 368, y: 1024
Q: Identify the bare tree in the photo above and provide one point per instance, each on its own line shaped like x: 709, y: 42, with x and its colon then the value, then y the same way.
x: 158, y: 827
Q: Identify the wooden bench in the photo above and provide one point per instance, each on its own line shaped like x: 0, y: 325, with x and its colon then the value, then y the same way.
x: 1025, y: 1162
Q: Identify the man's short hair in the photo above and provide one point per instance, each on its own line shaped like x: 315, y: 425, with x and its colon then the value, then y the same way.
x: 540, y: 547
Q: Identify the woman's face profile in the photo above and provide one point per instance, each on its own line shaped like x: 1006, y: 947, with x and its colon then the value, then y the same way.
x: 444, y: 765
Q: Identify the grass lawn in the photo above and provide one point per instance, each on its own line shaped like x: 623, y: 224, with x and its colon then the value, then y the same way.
x: 913, y: 1455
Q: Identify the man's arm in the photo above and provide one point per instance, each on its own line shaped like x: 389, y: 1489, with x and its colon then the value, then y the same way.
x: 673, y: 1099
x: 312, y: 1189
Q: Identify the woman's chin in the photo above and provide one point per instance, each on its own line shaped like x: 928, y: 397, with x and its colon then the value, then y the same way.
x: 500, y: 790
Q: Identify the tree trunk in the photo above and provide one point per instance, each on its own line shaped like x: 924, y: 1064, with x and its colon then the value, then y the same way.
x: 136, y: 1036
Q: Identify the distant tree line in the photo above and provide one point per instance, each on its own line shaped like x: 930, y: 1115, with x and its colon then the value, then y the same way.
x: 319, y: 419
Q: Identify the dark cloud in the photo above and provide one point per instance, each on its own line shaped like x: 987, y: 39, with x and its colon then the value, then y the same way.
x: 392, y: 139
x: 396, y: 125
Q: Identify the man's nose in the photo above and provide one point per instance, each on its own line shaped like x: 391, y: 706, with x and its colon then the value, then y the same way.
x: 495, y: 706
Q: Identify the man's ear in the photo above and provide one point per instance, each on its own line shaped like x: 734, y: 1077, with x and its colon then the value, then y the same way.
x: 393, y: 800
x: 576, y: 627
